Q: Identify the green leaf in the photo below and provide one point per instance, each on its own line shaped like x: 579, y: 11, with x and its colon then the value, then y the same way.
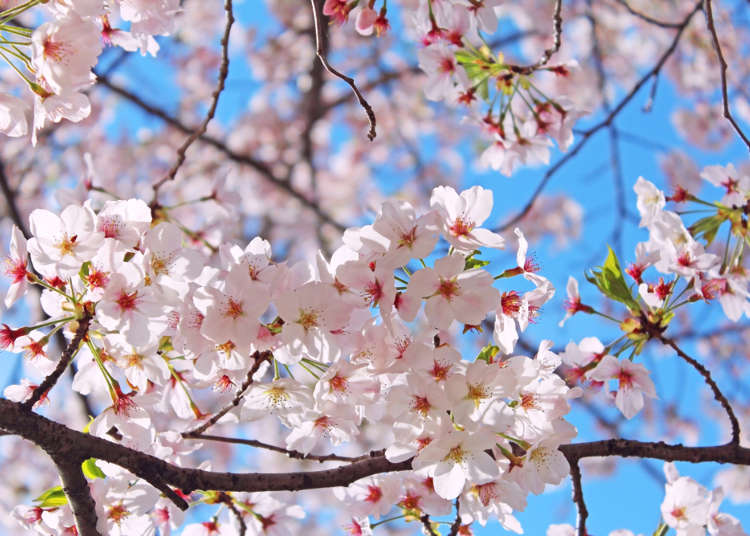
x: 88, y: 425
x: 85, y: 268
x: 707, y: 228
x: 91, y: 470
x: 484, y: 89
x: 610, y: 282
x: 463, y: 57
x: 53, y: 497
x: 487, y: 353
x: 472, y: 262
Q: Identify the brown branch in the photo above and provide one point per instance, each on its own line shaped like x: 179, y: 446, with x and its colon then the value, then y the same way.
x: 703, y: 371
x: 259, y: 357
x: 556, y: 37
x: 587, y: 134
x: 643, y: 16
x: 429, y: 530
x: 723, y: 63
x: 10, y: 201
x: 64, y: 442
x: 223, y: 72
x: 15, y: 215
x: 456, y: 526
x: 295, y: 454
x: 62, y: 364
x: 257, y: 165
x: 319, y: 29
x: 628, y: 448
x: 76, y: 489
x: 583, y: 513
x: 229, y: 502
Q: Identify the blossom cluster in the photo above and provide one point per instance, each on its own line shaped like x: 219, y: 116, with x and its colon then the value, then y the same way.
x: 63, y: 51
x: 517, y: 120
x: 349, y: 340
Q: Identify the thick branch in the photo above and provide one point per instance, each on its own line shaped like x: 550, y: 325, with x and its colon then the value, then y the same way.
x: 64, y: 442
x: 76, y: 489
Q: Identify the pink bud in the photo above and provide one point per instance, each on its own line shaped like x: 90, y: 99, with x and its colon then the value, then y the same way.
x: 366, y: 21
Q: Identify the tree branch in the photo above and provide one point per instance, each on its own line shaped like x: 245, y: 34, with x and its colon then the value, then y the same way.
x: 223, y: 72
x: 587, y: 134
x: 62, y: 364
x: 64, y: 442
x: 583, y: 513
x: 703, y: 371
x: 647, y: 18
x: 259, y: 357
x: 76, y: 489
x: 290, y: 453
x: 319, y: 29
x: 723, y: 63
x: 257, y: 165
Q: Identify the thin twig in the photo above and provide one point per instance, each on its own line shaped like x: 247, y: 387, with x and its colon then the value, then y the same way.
x: 259, y: 357
x: 233, y: 508
x: 650, y: 20
x: 723, y: 62
x: 456, y: 526
x: 290, y: 453
x: 318, y: 23
x: 259, y: 166
x: 718, y: 395
x: 62, y: 364
x: 427, y: 524
x: 583, y: 513
x: 587, y: 134
x: 223, y: 72
x: 556, y: 36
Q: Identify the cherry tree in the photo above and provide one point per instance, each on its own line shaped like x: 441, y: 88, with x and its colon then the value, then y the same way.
x: 250, y: 290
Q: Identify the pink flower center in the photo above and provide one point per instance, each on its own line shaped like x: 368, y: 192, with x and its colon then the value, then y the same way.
x: 461, y: 227
x: 15, y: 269
x: 127, y: 302
x: 233, y: 309
x: 448, y: 288
x: 374, y: 494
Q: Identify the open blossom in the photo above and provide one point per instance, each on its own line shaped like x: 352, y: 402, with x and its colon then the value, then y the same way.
x: 130, y: 307
x: 454, y: 294
x: 456, y: 458
x: 232, y: 308
x: 686, y: 503
x: 16, y: 267
x: 65, y: 51
x: 634, y: 382
x: 62, y: 243
x: 461, y: 215
x: 13, y: 116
